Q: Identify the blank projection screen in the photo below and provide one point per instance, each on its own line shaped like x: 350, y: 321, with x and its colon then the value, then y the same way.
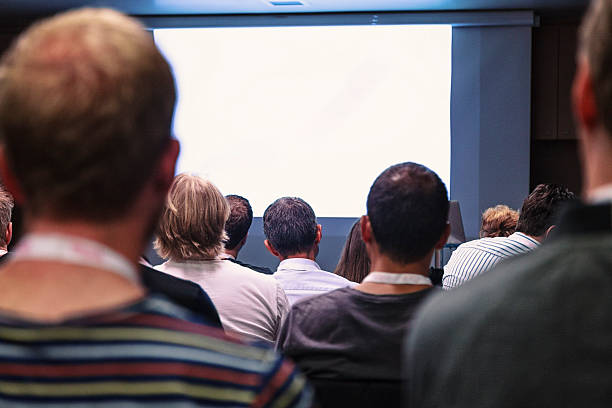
x: 314, y: 112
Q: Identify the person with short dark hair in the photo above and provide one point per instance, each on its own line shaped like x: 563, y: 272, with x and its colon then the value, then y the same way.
x: 348, y: 341
x: 86, y: 108
x: 293, y: 236
x: 535, y: 331
x: 237, y: 229
x: 354, y: 263
x: 537, y: 219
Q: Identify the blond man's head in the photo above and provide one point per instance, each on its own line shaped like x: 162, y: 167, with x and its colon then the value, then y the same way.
x: 86, y: 106
x: 192, y: 225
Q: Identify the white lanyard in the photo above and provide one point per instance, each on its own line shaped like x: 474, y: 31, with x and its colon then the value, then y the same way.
x: 397, y: 278
x: 73, y: 250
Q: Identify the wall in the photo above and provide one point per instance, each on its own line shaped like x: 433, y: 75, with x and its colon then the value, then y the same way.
x: 554, y: 145
x: 490, y: 119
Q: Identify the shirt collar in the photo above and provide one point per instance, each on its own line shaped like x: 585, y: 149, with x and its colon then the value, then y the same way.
x: 299, y: 264
x: 601, y: 194
x: 525, y: 239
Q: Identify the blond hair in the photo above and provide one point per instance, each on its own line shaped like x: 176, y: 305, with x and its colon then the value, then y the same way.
x: 498, y: 221
x: 86, y: 106
x: 192, y: 225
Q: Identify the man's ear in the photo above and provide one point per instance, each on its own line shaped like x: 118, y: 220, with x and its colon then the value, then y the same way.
x: 271, y: 249
x: 8, y: 178
x: 583, y: 97
x: 9, y: 233
x: 166, y: 166
x: 319, y: 234
x: 444, y: 237
x: 548, y: 231
x: 366, y: 229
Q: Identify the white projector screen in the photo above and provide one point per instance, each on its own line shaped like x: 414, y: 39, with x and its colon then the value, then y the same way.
x: 314, y: 112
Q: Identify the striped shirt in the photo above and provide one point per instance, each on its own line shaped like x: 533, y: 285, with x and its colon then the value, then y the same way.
x: 152, y: 353
x: 476, y: 257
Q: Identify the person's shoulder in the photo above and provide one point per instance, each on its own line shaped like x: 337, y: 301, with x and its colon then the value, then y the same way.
x: 179, y: 338
x: 325, y: 303
x: 511, y: 280
x: 260, y: 269
x: 246, y: 274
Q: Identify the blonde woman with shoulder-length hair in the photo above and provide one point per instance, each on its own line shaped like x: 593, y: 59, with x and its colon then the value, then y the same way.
x: 190, y: 236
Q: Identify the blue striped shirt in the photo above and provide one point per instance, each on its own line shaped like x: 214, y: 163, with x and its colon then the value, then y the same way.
x: 476, y: 257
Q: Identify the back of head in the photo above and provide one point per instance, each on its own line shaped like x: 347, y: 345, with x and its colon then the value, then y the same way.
x: 6, y: 209
x: 541, y: 209
x: 239, y: 221
x: 498, y: 221
x: 86, y: 105
x: 408, y: 210
x: 354, y: 263
x: 595, y: 43
x: 290, y: 226
x: 193, y: 220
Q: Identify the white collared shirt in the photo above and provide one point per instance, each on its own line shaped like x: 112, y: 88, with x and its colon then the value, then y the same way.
x: 476, y: 257
x: 302, y: 278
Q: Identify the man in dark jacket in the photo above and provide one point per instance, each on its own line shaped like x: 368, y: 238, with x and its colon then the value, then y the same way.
x: 536, y: 330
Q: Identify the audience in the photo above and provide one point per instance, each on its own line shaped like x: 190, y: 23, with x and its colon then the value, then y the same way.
x: 190, y: 235
x: 293, y: 236
x: 348, y: 341
x: 498, y: 221
x: 6, y: 226
x: 86, y: 106
x: 537, y: 218
x: 237, y: 229
x: 536, y: 330
x: 354, y: 262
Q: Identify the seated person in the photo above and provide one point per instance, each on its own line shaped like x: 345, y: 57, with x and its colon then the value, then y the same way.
x: 293, y: 236
x: 6, y: 226
x: 354, y: 262
x: 536, y: 220
x: 237, y: 229
x: 498, y: 221
x: 354, y: 335
x: 190, y: 235
x: 86, y: 106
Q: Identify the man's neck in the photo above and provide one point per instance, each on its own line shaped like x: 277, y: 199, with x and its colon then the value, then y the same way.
x: 116, y: 235
x: 57, y: 290
x: 596, y: 149
x: 231, y: 252
x: 302, y: 255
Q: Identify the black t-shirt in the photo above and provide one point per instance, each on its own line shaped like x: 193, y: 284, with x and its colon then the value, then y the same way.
x: 348, y: 334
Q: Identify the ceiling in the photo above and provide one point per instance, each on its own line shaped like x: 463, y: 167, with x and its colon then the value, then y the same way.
x: 27, y: 8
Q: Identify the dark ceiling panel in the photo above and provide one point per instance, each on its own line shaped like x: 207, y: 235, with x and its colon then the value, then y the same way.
x: 176, y: 7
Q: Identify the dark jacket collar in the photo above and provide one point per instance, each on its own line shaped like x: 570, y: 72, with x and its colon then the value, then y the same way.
x: 585, y: 219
